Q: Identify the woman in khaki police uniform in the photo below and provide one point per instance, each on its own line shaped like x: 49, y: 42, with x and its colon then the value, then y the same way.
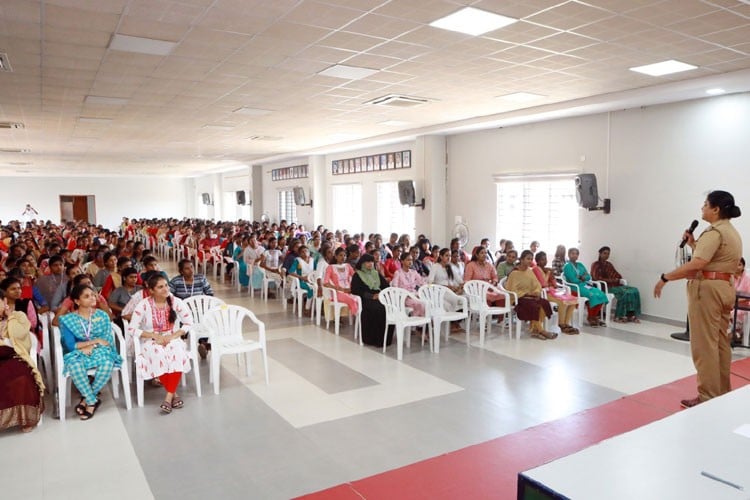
x: 716, y: 253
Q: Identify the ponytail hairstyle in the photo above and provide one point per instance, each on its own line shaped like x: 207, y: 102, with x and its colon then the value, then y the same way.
x: 725, y: 203
x: 154, y: 280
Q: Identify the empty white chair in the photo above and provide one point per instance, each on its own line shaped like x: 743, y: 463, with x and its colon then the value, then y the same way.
x: 227, y: 337
x: 199, y: 305
x: 476, y: 291
x: 434, y: 298
x: 396, y: 313
x: 63, y: 381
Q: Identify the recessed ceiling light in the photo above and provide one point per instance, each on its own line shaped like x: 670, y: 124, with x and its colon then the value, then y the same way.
x: 715, y: 91
x: 91, y: 119
x: 218, y: 127
x: 473, y: 21
x: 252, y: 111
x: 141, y: 45
x: 348, y: 72
x: 394, y: 123
x: 105, y: 101
x: 663, y: 68
x: 521, y: 97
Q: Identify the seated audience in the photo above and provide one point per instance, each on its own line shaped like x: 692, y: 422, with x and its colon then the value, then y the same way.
x: 558, y: 263
x: 628, y: 304
x: 442, y: 273
x: 367, y: 283
x: 88, y: 343
x: 576, y: 273
x: 301, y: 269
x: 160, y: 321
x: 410, y: 280
x: 67, y: 305
x: 566, y: 303
x: 479, y: 269
x: 339, y: 277
x: 21, y: 386
x: 187, y: 283
x: 531, y: 306
x: 741, y: 285
x: 506, y: 266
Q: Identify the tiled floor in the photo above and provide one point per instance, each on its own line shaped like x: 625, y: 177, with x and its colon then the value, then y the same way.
x: 335, y: 412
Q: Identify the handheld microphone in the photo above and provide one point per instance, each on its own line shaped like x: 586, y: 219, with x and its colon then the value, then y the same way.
x: 690, y: 230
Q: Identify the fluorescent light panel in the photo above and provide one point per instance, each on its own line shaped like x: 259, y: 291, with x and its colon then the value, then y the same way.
x: 473, y: 21
x: 348, y: 72
x: 141, y: 45
x: 105, y: 101
x: 252, y: 111
x: 522, y: 97
x: 715, y: 91
x: 663, y: 68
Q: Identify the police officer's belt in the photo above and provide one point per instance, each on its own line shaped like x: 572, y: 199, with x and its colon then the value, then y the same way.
x: 711, y: 275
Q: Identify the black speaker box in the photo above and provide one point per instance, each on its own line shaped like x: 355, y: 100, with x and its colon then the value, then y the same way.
x: 406, y: 194
x: 240, y: 197
x: 299, y: 196
x: 587, y: 195
x: 206, y: 198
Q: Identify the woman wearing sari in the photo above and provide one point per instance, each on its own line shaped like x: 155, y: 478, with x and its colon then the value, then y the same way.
x: 21, y: 386
x: 367, y: 283
x: 576, y: 273
x: 628, y: 305
x: 237, y: 256
x: 531, y: 306
x: 566, y: 303
x: 88, y: 343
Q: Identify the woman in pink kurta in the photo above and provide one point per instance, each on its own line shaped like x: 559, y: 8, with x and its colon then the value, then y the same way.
x: 339, y: 277
x: 742, y: 285
x: 480, y: 269
x: 409, y: 279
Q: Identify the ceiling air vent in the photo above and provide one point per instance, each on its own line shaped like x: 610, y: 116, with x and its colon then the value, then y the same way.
x: 4, y: 125
x: 4, y: 62
x: 398, y: 101
x: 14, y: 150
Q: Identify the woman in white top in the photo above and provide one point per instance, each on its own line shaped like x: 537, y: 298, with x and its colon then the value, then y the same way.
x: 445, y: 274
x: 160, y: 321
x: 302, y: 267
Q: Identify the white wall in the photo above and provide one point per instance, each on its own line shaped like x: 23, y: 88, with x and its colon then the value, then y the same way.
x: 655, y: 163
x: 115, y: 197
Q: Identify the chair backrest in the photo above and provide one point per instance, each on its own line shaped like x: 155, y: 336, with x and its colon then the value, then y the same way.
x: 34, y: 349
x: 476, y: 291
x: 57, y: 342
x: 330, y: 294
x: 394, y: 300
x: 200, y: 304
x: 226, y: 320
x: 434, y: 297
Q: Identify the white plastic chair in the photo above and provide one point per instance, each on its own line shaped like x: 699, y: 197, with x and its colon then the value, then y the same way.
x: 396, y: 313
x: 192, y: 342
x: 272, y: 277
x: 317, y: 304
x: 476, y: 291
x: 199, y: 305
x: 227, y: 337
x: 34, y: 361
x: 576, y: 290
x: 434, y: 298
x: 514, y: 300
x: 46, y: 353
x: 64, y: 383
x: 335, y: 307
x: 298, y: 294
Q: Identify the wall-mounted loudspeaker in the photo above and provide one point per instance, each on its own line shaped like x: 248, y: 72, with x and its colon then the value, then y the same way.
x: 406, y: 193
x: 206, y: 198
x: 587, y: 195
x: 240, y: 197
x: 299, y: 196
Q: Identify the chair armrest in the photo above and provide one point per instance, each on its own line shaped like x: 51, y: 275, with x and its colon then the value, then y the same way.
x: 623, y: 282
x: 506, y: 293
